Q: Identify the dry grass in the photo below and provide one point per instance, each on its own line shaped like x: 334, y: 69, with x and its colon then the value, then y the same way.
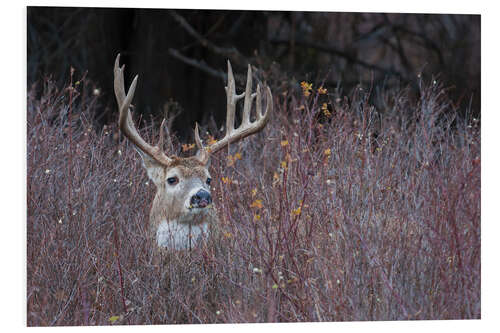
x: 343, y: 215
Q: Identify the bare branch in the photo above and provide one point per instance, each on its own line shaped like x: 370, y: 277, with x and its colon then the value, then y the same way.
x: 339, y: 53
x: 231, y: 53
x: 201, y: 65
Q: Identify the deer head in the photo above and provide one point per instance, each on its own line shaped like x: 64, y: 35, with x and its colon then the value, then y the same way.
x: 182, y: 210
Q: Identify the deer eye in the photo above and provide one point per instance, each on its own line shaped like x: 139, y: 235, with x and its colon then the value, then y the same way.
x: 172, y: 180
x: 209, y: 180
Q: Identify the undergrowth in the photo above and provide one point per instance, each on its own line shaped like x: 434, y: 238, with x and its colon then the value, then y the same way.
x: 334, y: 212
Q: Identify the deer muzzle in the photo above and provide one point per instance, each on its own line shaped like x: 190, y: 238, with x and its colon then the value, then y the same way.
x: 201, y: 199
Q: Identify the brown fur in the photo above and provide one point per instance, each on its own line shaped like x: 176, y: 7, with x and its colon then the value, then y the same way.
x: 169, y: 207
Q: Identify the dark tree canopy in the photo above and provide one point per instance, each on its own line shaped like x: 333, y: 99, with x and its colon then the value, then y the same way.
x: 180, y: 55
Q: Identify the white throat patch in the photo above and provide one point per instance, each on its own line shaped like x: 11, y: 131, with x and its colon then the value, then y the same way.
x: 178, y: 236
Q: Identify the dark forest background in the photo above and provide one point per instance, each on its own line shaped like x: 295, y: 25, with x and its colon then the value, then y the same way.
x: 180, y: 55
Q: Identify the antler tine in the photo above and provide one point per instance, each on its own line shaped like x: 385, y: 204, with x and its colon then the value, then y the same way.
x: 248, y: 97
x: 125, y: 120
x: 232, y: 99
x: 119, y: 88
x: 197, y: 137
x: 170, y: 145
x: 247, y: 127
x: 202, y: 154
x: 259, y: 102
x: 160, y: 140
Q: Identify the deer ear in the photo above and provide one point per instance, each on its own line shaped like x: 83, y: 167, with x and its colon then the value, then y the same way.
x: 156, y: 171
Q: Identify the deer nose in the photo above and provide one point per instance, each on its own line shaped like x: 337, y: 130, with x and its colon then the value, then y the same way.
x: 201, y: 199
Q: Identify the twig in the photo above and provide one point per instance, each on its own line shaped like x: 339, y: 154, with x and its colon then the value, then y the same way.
x: 427, y: 41
x: 65, y: 308
x: 117, y: 255
x: 70, y: 152
x: 232, y: 53
x: 198, y: 64
x: 339, y: 53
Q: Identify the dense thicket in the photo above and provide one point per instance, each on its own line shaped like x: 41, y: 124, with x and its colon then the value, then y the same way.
x: 330, y: 214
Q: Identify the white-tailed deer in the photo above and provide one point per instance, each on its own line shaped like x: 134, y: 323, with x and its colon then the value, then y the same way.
x: 182, y: 212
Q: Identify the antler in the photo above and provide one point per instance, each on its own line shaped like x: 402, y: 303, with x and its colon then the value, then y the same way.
x: 127, y: 125
x: 247, y: 127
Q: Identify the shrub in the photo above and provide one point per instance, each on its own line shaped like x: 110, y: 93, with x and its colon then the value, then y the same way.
x: 335, y: 212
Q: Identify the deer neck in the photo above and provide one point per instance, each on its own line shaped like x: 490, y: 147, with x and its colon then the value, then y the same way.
x: 174, y: 228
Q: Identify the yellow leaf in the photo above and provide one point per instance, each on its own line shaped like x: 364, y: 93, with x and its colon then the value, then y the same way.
x: 305, y: 85
x: 256, y: 204
x: 237, y: 156
x: 211, y: 140
x: 284, y: 143
x: 322, y: 91
x: 186, y: 147
x: 297, y: 211
x: 325, y: 110
x: 254, y: 192
x: 112, y: 319
x: 328, y: 152
x: 306, y: 88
